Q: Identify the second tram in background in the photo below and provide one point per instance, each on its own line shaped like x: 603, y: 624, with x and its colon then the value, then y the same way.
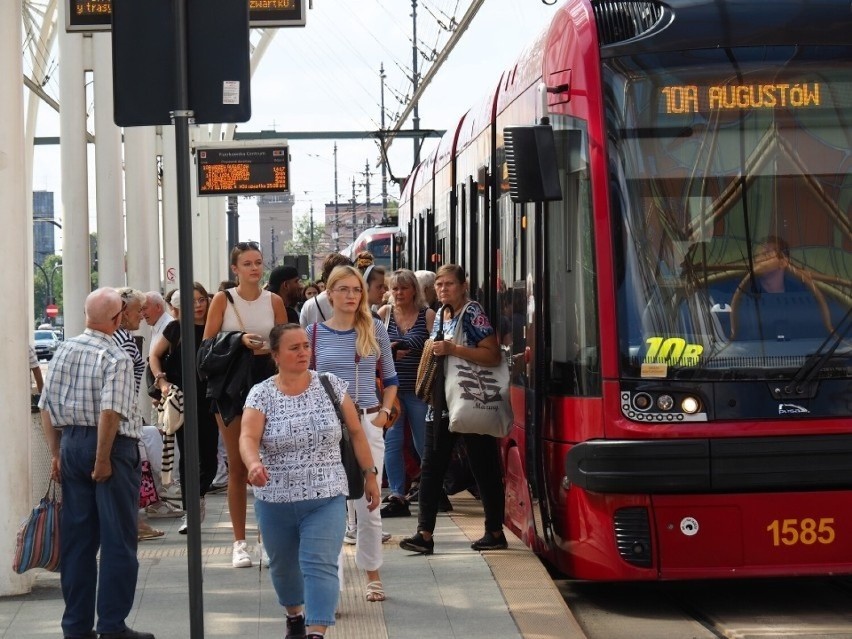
x: 678, y: 322
x: 382, y: 242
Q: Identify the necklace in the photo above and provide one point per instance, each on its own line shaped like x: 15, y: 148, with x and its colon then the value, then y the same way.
x: 295, y: 386
x: 404, y: 321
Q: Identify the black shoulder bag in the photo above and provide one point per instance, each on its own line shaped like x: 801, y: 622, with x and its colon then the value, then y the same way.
x: 354, y: 476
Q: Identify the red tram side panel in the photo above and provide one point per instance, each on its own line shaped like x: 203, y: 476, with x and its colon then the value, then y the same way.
x: 678, y: 326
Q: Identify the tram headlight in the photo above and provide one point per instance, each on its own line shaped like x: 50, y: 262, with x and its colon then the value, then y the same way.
x: 690, y: 405
x: 642, y: 401
x: 665, y: 402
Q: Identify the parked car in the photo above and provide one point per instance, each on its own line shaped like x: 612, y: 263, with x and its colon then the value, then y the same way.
x: 45, y: 344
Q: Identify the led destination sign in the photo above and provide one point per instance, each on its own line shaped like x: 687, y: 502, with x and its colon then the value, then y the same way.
x: 96, y: 15
x: 243, y: 170
x: 701, y: 99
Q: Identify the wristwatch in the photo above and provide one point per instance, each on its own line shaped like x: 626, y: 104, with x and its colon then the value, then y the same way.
x: 385, y: 410
x: 367, y: 471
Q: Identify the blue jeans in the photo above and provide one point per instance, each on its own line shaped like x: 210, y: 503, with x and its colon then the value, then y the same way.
x: 97, y: 515
x: 303, y: 539
x: 414, y: 412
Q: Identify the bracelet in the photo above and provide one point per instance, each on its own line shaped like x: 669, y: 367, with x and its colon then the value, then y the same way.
x: 160, y: 375
x: 385, y: 410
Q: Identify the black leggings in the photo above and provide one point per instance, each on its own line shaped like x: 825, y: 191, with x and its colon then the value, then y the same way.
x: 484, y: 455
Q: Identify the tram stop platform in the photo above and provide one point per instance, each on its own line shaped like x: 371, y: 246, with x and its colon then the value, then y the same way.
x: 457, y: 592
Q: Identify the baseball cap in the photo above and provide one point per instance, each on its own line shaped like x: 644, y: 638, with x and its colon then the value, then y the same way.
x: 279, y: 275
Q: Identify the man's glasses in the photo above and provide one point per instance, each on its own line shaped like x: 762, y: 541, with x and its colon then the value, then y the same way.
x: 247, y: 246
x: 346, y: 291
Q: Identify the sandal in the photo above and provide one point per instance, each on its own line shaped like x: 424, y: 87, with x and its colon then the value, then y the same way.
x: 375, y: 591
x: 148, y: 533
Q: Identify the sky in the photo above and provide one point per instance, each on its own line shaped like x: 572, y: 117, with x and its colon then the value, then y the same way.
x: 325, y: 76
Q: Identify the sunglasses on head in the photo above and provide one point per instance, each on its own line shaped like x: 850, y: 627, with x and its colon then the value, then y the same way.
x: 123, y: 306
x: 247, y: 246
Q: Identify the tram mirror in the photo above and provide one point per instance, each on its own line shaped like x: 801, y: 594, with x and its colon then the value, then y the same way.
x: 531, y: 164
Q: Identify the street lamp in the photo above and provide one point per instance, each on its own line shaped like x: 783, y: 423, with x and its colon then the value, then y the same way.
x: 48, y: 281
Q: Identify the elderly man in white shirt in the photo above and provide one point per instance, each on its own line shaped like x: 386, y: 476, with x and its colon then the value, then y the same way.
x: 155, y: 315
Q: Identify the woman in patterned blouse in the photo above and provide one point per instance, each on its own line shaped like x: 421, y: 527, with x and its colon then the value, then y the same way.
x: 290, y: 444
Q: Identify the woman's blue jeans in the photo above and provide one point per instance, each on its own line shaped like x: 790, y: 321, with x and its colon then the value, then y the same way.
x: 303, y: 540
x: 414, y: 412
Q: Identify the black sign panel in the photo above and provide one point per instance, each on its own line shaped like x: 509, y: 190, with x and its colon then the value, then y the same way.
x: 144, y: 69
x: 243, y: 170
x: 96, y: 15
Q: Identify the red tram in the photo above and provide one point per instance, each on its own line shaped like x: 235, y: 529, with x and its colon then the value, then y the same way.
x: 381, y: 241
x: 678, y: 323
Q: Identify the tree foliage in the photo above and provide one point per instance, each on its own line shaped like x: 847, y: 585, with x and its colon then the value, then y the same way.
x: 305, y: 242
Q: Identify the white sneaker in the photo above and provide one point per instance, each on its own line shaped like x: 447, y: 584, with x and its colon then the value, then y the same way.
x: 162, y: 510
x: 350, y: 536
x: 184, y: 524
x: 386, y: 537
x: 240, y: 557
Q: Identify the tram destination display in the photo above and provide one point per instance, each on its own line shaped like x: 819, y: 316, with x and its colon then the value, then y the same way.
x: 96, y: 15
x: 243, y: 170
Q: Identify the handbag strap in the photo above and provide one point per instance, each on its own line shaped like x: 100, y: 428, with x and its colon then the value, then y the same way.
x: 236, y: 312
x: 458, y: 332
x: 326, y: 384
x: 314, y: 348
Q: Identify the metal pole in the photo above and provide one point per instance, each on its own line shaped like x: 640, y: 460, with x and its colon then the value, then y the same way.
x: 336, y: 205
x: 415, y: 121
x: 382, y: 76
x: 312, y: 243
x: 354, y: 214
x: 369, y: 221
x: 181, y: 116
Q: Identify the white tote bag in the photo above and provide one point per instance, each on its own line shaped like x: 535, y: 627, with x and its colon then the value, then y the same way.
x: 477, y: 396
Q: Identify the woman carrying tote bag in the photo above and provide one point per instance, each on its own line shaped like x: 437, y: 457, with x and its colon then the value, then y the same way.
x: 483, y: 451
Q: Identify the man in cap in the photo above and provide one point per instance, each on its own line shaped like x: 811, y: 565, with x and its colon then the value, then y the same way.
x: 284, y: 282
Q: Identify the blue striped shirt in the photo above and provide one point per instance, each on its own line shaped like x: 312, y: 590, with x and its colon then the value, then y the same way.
x: 412, y: 341
x: 88, y: 374
x: 335, y: 353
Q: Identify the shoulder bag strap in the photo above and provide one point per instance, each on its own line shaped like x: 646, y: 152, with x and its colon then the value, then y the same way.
x: 236, y: 312
x: 336, y: 403
x: 314, y: 350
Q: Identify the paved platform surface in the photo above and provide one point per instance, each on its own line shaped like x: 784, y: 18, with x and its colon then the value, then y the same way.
x: 456, y: 592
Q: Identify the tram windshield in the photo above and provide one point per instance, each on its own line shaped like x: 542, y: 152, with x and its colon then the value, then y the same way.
x: 731, y: 185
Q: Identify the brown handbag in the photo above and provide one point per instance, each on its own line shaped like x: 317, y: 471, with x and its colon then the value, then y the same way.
x: 426, y: 372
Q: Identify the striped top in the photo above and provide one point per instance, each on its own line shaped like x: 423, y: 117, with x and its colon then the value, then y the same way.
x: 90, y: 373
x: 412, y: 341
x: 124, y: 339
x: 335, y: 353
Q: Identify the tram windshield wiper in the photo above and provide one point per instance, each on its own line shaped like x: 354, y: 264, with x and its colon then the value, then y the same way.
x: 801, y: 383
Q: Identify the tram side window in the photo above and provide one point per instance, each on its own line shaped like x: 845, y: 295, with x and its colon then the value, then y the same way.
x: 574, y: 339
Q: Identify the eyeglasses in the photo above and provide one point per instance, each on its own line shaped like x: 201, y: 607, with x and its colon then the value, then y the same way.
x: 123, y: 306
x: 346, y: 291
x: 247, y: 246
x: 198, y: 301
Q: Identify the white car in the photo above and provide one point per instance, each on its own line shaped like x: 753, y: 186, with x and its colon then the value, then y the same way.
x: 45, y: 344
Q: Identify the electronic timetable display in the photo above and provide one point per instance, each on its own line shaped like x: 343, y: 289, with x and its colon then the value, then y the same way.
x: 243, y: 170
x: 96, y: 15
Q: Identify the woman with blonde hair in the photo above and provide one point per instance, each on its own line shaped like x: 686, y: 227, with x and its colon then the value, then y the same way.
x: 350, y: 345
x: 408, y: 321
